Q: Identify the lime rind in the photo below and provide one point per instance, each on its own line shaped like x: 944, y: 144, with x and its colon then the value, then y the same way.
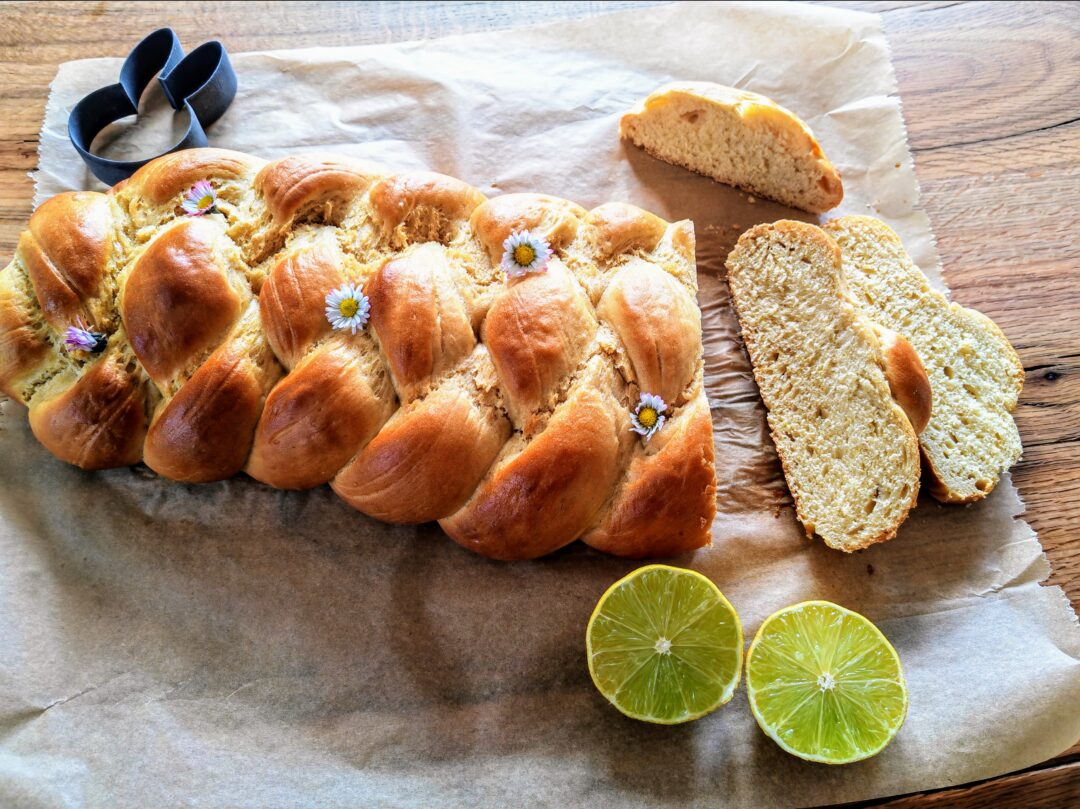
x: 665, y: 646
x: 825, y: 684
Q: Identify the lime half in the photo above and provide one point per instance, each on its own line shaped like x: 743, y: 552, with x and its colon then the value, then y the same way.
x: 825, y: 684
x: 664, y: 645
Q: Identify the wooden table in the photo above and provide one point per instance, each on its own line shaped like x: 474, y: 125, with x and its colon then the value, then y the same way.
x: 991, y: 95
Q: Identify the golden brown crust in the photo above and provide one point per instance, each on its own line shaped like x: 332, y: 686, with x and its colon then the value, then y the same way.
x: 180, y: 276
x: 500, y: 406
x: 296, y: 186
x: 291, y: 301
x: 544, y: 497
x: 619, y: 228
x: 316, y: 419
x: 425, y: 206
x: 404, y: 475
x: 554, y: 219
x: 205, y: 432
x: 667, y: 503
x: 907, y: 378
x: 98, y: 422
x: 423, y: 327
x: 660, y: 326
x: 65, y: 251
x: 166, y: 178
x: 23, y: 348
x: 537, y: 331
x: 684, y: 242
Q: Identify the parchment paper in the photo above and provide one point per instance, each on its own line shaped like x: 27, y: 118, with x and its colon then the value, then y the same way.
x: 231, y: 645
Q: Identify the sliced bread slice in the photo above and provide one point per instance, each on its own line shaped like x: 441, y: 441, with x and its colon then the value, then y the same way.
x: 849, y: 452
x: 975, y: 374
x: 738, y: 138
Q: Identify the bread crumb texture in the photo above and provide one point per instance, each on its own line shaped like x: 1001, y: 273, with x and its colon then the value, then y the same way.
x: 738, y: 138
x: 850, y: 456
x: 975, y: 375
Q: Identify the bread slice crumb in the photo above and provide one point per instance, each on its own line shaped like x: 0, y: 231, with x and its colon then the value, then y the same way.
x: 849, y: 452
x: 975, y: 375
x: 738, y: 138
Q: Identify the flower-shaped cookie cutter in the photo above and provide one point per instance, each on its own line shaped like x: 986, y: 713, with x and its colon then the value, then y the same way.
x: 203, y: 84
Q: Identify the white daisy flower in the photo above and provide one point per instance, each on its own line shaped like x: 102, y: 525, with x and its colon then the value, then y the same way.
x: 200, y: 199
x: 648, y: 416
x: 347, y: 308
x: 524, y: 253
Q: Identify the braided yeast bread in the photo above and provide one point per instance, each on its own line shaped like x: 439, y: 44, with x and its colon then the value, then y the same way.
x: 500, y: 407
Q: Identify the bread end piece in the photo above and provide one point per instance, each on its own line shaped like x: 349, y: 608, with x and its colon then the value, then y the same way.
x: 737, y: 138
x: 849, y: 453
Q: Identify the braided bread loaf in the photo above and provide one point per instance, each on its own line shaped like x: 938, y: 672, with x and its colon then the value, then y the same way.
x: 499, y: 407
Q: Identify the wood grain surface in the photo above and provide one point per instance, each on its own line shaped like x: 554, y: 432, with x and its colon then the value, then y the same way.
x: 991, y: 95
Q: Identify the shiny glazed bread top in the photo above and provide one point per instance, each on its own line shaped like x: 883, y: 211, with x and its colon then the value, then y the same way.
x: 499, y: 406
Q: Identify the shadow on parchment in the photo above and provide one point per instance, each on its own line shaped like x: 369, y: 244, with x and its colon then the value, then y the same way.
x: 719, y: 212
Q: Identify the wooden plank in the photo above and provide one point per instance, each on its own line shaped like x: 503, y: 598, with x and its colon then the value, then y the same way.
x: 1057, y: 787
x: 1000, y: 182
x: 970, y: 72
x: 989, y: 95
x: 1001, y: 192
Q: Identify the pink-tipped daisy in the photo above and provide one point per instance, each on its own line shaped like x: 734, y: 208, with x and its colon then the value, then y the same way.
x: 524, y: 253
x: 648, y: 416
x: 200, y: 199
x: 80, y: 338
x: 347, y: 307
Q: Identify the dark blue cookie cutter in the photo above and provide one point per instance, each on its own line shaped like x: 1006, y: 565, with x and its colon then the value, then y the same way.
x: 203, y: 83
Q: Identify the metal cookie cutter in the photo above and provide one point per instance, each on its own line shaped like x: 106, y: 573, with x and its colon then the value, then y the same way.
x: 203, y: 83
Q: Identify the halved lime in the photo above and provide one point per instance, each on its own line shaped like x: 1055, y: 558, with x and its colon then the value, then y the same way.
x: 825, y: 684
x: 664, y: 645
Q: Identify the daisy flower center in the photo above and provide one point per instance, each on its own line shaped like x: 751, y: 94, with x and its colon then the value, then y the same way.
x: 349, y: 307
x: 647, y: 416
x: 524, y: 254
x: 205, y: 201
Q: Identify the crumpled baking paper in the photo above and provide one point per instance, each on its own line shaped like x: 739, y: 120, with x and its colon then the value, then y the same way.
x: 233, y: 645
